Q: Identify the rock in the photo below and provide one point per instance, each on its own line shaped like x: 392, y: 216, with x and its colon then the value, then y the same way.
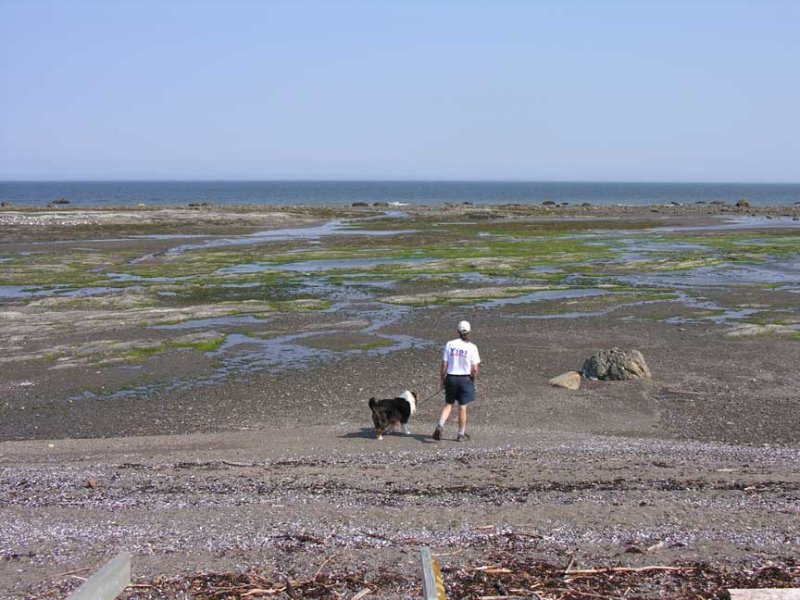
x: 91, y: 484
x: 359, y: 204
x: 6, y: 204
x: 548, y: 203
x: 718, y: 203
x: 60, y: 201
x: 616, y: 364
x: 743, y: 203
x: 571, y: 380
x: 752, y: 329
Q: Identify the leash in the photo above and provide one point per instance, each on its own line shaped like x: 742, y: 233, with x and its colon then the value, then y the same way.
x: 431, y: 396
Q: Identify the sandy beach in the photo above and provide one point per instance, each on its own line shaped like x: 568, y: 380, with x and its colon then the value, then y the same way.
x: 191, y: 385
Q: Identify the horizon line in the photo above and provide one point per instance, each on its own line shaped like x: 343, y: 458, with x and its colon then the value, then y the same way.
x: 484, y: 181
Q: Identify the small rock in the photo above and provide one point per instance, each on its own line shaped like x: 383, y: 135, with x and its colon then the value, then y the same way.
x: 548, y: 203
x: 571, y: 380
x: 6, y: 204
x: 743, y: 203
x: 359, y: 204
x: 91, y: 484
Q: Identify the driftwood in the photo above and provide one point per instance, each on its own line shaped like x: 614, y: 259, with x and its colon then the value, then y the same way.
x: 765, y: 594
x: 621, y: 570
x: 505, y: 575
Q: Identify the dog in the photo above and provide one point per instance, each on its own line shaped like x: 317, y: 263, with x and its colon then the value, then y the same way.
x: 391, y: 412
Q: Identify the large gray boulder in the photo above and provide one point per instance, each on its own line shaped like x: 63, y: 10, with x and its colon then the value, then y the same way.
x: 616, y: 364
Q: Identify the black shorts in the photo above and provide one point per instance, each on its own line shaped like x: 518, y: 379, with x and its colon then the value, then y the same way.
x: 459, y: 388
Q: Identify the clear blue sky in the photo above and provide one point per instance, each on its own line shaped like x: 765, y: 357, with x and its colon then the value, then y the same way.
x: 558, y: 90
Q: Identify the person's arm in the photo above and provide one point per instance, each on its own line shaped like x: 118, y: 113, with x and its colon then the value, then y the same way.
x: 475, y: 365
x: 443, y: 372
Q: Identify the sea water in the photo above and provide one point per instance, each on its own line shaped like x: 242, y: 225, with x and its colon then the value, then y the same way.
x: 339, y: 193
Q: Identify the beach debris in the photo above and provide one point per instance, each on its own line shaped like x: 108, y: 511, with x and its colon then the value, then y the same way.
x: 616, y: 364
x: 571, y: 380
x: 764, y: 594
x: 508, y: 577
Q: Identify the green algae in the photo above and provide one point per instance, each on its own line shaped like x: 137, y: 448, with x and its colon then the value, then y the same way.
x: 778, y: 317
x: 140, y: 353
x: 442, y: 251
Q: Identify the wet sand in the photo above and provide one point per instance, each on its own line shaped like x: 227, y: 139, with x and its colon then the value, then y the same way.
x: 277, y: 469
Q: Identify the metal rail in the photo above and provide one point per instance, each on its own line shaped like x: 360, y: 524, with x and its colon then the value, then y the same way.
x: 432, y: 585
x: 108, y: 582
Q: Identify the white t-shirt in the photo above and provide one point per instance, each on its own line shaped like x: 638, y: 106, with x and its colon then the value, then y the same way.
x: 460, y: 356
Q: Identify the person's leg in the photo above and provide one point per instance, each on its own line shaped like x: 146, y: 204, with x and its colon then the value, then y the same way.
x: 450, y: 395
x: 462, y: 419
x: 437, y: 433
x: 445, y: 414
x: 467, y: 396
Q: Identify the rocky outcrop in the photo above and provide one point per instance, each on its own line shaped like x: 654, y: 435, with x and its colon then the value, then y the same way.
x: 616, y: 364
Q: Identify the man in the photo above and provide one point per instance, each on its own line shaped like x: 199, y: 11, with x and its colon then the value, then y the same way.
x: 459, y: 372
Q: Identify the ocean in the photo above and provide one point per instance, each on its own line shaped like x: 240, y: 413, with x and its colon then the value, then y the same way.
x: 344, y: 193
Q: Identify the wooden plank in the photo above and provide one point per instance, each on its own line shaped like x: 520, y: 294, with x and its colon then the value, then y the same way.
x: 432, y: 585
x: 765, y: 594
x: 108, y: 582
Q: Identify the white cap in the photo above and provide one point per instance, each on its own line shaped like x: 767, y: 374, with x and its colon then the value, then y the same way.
x: 464, y: 327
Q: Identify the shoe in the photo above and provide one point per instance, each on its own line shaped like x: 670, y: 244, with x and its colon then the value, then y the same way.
x: 463, y: 437
x: 437, y: 433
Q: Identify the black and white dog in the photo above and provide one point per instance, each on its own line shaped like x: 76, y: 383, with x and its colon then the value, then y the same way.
x: 391, y: 412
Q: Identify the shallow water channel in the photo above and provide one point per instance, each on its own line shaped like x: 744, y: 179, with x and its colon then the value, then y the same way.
x: 261, y: 278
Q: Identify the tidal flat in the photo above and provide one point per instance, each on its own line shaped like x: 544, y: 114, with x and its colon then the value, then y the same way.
x: 249, y: 339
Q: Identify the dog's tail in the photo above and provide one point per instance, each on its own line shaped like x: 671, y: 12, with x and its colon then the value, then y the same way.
x: 372, y: 402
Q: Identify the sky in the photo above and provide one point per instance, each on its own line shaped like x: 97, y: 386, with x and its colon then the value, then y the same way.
x: 562, y: 90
